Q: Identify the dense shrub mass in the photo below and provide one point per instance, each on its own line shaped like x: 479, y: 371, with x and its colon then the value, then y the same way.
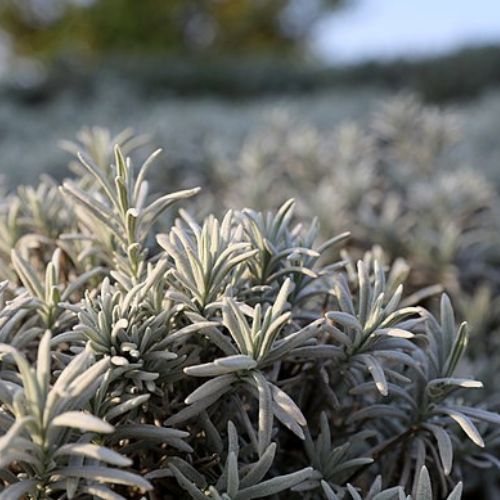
x: 461, y: 75
x: 153, y: 353
x: 100, y: 27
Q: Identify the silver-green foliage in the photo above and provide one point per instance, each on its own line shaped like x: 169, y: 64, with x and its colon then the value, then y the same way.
x: 228, y: 358
x: 48, y: 435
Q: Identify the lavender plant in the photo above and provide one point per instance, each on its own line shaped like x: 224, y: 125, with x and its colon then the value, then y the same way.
x: 232, y: 357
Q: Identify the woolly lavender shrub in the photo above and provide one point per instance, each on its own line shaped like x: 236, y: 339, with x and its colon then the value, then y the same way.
x: 227, y: 358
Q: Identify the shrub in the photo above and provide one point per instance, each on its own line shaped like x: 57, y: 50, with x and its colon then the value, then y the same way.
x: 227, y: 358
x: 456, y: 77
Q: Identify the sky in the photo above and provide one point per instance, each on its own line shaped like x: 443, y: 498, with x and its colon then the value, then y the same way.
x: 386, y: 29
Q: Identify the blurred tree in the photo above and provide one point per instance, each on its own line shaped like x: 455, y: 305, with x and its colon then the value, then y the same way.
x: 49, y: 27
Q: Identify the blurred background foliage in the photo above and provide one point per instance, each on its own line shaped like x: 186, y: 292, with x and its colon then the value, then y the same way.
x: 96, y: 27
x: 229, y: 48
